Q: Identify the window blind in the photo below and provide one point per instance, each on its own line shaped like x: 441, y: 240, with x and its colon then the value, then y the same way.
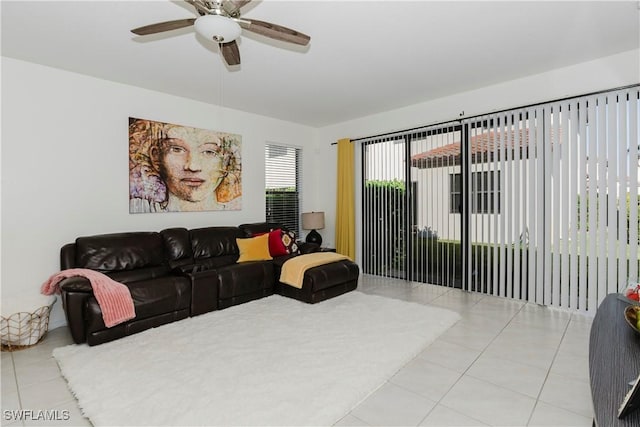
x: 568, y: 232
x: 282, y: 182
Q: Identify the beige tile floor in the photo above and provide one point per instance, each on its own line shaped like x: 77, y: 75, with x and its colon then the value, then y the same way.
x: 505, y: 363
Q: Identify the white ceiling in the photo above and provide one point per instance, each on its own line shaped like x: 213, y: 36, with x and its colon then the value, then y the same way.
x: 364, y: 57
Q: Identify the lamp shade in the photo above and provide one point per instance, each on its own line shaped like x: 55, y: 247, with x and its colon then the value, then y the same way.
x: 217, y: 28
x: 313, y: 220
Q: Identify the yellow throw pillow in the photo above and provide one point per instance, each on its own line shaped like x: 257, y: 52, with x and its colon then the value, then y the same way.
x: 254, y: 248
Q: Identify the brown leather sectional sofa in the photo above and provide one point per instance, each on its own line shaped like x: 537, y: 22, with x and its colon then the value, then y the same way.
x: 177, y: 273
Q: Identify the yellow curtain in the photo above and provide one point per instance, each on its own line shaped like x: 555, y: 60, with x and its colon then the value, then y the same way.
x: 345, y: 205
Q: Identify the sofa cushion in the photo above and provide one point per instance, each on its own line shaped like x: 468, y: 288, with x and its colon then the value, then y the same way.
x: 120, y: 251
x: 259, y: 227
x: 329, y: 275
x: 177, y: 246
x: 245, y: 278
x: 150, y: 298
x: 149, y: 273
x: 204, y: 264
x: 215, y: 241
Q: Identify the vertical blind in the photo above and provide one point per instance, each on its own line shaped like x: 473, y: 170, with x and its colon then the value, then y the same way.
x: 282, y: 182
x: 537, y: 204
x: 384, y: 207
x: 437, y: 191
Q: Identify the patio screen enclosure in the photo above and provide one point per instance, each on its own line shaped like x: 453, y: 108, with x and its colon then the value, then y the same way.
x: 538, y: 203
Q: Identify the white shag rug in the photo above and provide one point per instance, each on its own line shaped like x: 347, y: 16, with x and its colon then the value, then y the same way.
x: 273, y: 361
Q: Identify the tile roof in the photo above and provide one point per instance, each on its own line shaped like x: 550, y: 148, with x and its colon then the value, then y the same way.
x: 485, y: 147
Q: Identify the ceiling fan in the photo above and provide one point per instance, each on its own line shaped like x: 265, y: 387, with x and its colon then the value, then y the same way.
x: 220, y: 21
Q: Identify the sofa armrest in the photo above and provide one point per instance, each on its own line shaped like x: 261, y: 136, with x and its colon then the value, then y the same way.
x: 307, y: 248
x: 76, y: 284
x: 204, y: 291
x: 74, y: 293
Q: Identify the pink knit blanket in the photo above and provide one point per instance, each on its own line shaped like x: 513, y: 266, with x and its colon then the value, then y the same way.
x: 113, y: 297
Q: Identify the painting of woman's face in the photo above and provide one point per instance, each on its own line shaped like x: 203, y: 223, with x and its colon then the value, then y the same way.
x: 187, y: 169
x: 191, y: 163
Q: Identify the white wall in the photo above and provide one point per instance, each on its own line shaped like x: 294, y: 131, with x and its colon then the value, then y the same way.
x: 65, y: 165
x: 64, y: 153
x: 605, y: 73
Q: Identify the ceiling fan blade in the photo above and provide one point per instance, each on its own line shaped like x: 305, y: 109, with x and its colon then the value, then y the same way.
x: 163, y: 26
x: 274, y: 31
x: 230, y: 52
x: 200, y: 7
x: 233, y: 6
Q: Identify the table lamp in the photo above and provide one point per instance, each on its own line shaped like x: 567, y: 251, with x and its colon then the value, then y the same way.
x: 313, y: 221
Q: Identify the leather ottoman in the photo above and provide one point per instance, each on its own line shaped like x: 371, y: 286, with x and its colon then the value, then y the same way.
x: 322, y: 282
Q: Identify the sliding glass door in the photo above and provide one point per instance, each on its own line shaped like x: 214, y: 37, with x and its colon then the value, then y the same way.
x: 386, y: 206
x: 435, y: 246
x: 537, y: 204
x: 411, y: 227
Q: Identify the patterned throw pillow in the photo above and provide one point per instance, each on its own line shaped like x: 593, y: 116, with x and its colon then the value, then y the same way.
x: 289, y: 241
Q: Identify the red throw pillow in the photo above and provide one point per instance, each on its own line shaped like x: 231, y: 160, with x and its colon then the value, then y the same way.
x: 281, y: 242
x: 276, y: 246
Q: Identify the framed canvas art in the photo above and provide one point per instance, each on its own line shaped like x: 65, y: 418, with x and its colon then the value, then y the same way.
x: 175, y: 168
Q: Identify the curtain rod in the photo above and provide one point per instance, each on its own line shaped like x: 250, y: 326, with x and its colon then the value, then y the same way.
x: 493, y: 112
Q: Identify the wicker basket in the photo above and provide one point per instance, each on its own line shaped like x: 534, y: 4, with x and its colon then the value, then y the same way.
x: 24, y: 329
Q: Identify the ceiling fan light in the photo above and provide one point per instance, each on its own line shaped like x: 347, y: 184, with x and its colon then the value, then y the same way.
x: 217, y: 28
